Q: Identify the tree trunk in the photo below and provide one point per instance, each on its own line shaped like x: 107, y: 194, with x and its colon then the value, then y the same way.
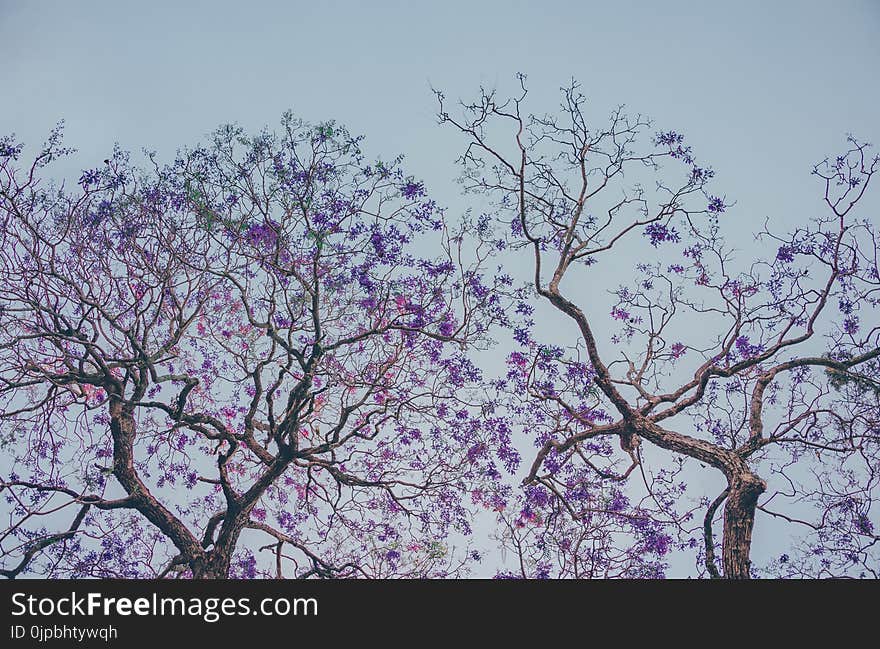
x: 215, y: 567
x: 739, y: 519
x: 210, y: 572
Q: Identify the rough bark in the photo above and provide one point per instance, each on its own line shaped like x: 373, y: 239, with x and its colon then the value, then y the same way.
x: 123, y: 429
x: 739, y: 519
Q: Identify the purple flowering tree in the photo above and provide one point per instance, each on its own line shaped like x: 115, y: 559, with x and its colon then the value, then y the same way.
x: 248, y: 362
x: 763, y: 370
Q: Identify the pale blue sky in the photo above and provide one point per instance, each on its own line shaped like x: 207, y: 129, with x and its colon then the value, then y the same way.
x: 762, y: 90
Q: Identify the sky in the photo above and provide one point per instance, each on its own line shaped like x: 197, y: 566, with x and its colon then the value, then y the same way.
x: 761, y: 90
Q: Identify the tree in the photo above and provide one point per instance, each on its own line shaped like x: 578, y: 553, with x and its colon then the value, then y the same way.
x: 261, y: 359
x: 247, y: 349
x: 767, y: 372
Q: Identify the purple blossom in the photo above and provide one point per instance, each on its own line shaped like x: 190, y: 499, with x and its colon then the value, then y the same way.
x: 620, y: 314
x: 262, y: 234
x: 412, y: 190
x: 863, y: 525
x: 659, y: 233
x: 675, y: 142
x: 701, y: 174
x: 785, y: 254
x: 90, y: 177
x: 247, y: 567
x: 8, y: 148
x: 746, y: 349
x: 619, y: 502
x: 657, y: 543
x: 377, y: 239
x: 669, y: 138
x: 522, y: 336
x: 851, y: 325
x: 716, y: 205
x: 538, y: 496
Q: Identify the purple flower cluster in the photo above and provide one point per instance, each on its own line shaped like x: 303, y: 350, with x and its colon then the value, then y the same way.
x: 678, y: 350
x: 863, y: 525
x: 659, y: 233
x: 785, y: 254
x: 745, y: 348
x: 8, y: 147
x: 620, y: 314
x: 675, y: 143
x: 262, y: 235
x: 412, y: 190
x: 90, y: 177
x: 716, y: 205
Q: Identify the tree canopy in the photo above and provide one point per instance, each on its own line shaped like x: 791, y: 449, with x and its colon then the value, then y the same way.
x: 267, y: 336
x: 276, y: 356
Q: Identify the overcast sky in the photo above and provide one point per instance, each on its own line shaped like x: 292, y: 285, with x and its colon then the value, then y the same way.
x: 762, y: 90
